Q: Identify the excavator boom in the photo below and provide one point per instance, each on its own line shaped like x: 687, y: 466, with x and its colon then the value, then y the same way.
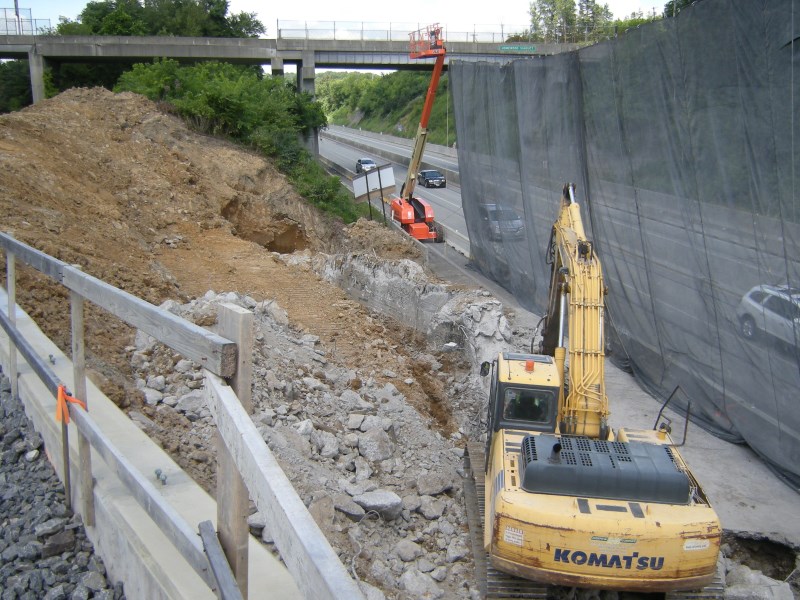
x: 576, y: 300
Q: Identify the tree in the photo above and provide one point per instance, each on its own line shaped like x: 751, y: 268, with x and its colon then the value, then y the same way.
x: 246, y: 25
x: 594, y: 20
x: 15, y: 85
x: 673, y: 7
x: 204, y: 18
x: 552, y: 20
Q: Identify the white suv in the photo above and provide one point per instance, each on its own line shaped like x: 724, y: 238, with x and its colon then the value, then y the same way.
x: 772, y: 310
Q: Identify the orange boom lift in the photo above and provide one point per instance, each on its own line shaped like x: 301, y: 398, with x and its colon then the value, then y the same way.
x: 415, y: 215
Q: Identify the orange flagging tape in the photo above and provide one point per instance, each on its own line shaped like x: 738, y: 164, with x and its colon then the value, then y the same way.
x: 62, y: 412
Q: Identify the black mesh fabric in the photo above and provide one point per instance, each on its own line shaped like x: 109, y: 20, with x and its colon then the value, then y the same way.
x: 682, y: 137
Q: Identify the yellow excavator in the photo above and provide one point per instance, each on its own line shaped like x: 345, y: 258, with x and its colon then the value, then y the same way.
x: 568, y: 500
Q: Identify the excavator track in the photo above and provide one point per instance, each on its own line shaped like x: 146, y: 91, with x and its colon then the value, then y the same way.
x: 493, y: 584
x: 714, y: 591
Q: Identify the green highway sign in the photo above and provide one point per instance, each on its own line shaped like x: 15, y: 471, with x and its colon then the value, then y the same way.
x: 516, y: 48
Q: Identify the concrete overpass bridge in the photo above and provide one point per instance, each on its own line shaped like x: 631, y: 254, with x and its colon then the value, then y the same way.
x: 307, y: 48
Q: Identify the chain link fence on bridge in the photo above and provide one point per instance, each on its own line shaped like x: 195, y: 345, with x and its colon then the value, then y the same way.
x: 21, y: 23
x: 392, y: 32
x: 399, y: 32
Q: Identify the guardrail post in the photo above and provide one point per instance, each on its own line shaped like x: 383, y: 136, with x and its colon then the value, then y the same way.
x: 236, y: 324
x: 11, y: 284
x: 79, y: 383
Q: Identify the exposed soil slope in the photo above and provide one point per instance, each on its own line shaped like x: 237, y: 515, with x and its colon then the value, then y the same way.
x: 112, y: 183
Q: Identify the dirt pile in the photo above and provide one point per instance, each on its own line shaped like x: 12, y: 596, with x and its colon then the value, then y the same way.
x: 110, y: 182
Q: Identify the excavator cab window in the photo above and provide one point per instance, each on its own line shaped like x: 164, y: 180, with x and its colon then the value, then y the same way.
x: 527, y: 404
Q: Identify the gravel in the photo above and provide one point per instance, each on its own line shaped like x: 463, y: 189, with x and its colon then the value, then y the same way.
x: 44, y: 550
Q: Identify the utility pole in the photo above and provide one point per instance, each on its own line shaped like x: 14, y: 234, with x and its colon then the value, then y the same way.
x: 19, y: 21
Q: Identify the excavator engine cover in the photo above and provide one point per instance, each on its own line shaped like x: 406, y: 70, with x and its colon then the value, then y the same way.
x: 585, y: 467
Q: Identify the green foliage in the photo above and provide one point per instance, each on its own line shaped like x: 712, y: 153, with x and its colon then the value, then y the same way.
x: 337, y: 91
x: 207, y: 18
x: 393, y: 92
x: 674, y: 7
x: 557, y: 20
x: 623, y: 25
x: 553, y: 20
x: 266, y: 113
x: 15, y: 85
x: 389, y: 103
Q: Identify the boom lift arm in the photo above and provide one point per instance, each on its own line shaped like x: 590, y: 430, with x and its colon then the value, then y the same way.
x: 424, y: 44
x: 415, y: 215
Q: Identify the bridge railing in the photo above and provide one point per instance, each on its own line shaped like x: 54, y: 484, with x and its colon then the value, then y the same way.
x: 390, y: 32
x: 22, y: 23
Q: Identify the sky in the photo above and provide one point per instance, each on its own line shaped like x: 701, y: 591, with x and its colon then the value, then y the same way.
x: 452, y: 14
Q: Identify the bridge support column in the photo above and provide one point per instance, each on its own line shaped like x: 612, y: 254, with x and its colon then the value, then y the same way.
x: 305, y: 83
x: 36, y: 66
x: 277, y: 67
x: 305, y: 73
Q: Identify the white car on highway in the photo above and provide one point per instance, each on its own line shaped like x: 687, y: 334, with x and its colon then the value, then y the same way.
x: 771, y: 310
x: 365, y: 164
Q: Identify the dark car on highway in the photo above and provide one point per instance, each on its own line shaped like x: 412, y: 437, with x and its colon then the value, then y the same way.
x: 501, y: 222
x: 431, y: 178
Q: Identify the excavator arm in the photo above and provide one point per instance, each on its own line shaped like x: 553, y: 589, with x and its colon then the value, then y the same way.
x: 576, y: 312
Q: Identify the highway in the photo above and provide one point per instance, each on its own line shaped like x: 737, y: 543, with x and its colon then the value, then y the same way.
x: 446, y: 202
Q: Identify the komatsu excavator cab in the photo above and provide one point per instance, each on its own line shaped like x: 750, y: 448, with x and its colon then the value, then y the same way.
x: 524, y: 393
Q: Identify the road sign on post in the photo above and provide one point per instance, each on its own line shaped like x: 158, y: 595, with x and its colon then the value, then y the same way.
x: 380, y: 180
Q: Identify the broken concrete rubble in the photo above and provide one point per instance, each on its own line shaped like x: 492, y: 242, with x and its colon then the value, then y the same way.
x: 383, y: 469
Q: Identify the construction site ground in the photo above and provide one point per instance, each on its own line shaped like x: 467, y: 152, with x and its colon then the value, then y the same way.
x: 113, y: 184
